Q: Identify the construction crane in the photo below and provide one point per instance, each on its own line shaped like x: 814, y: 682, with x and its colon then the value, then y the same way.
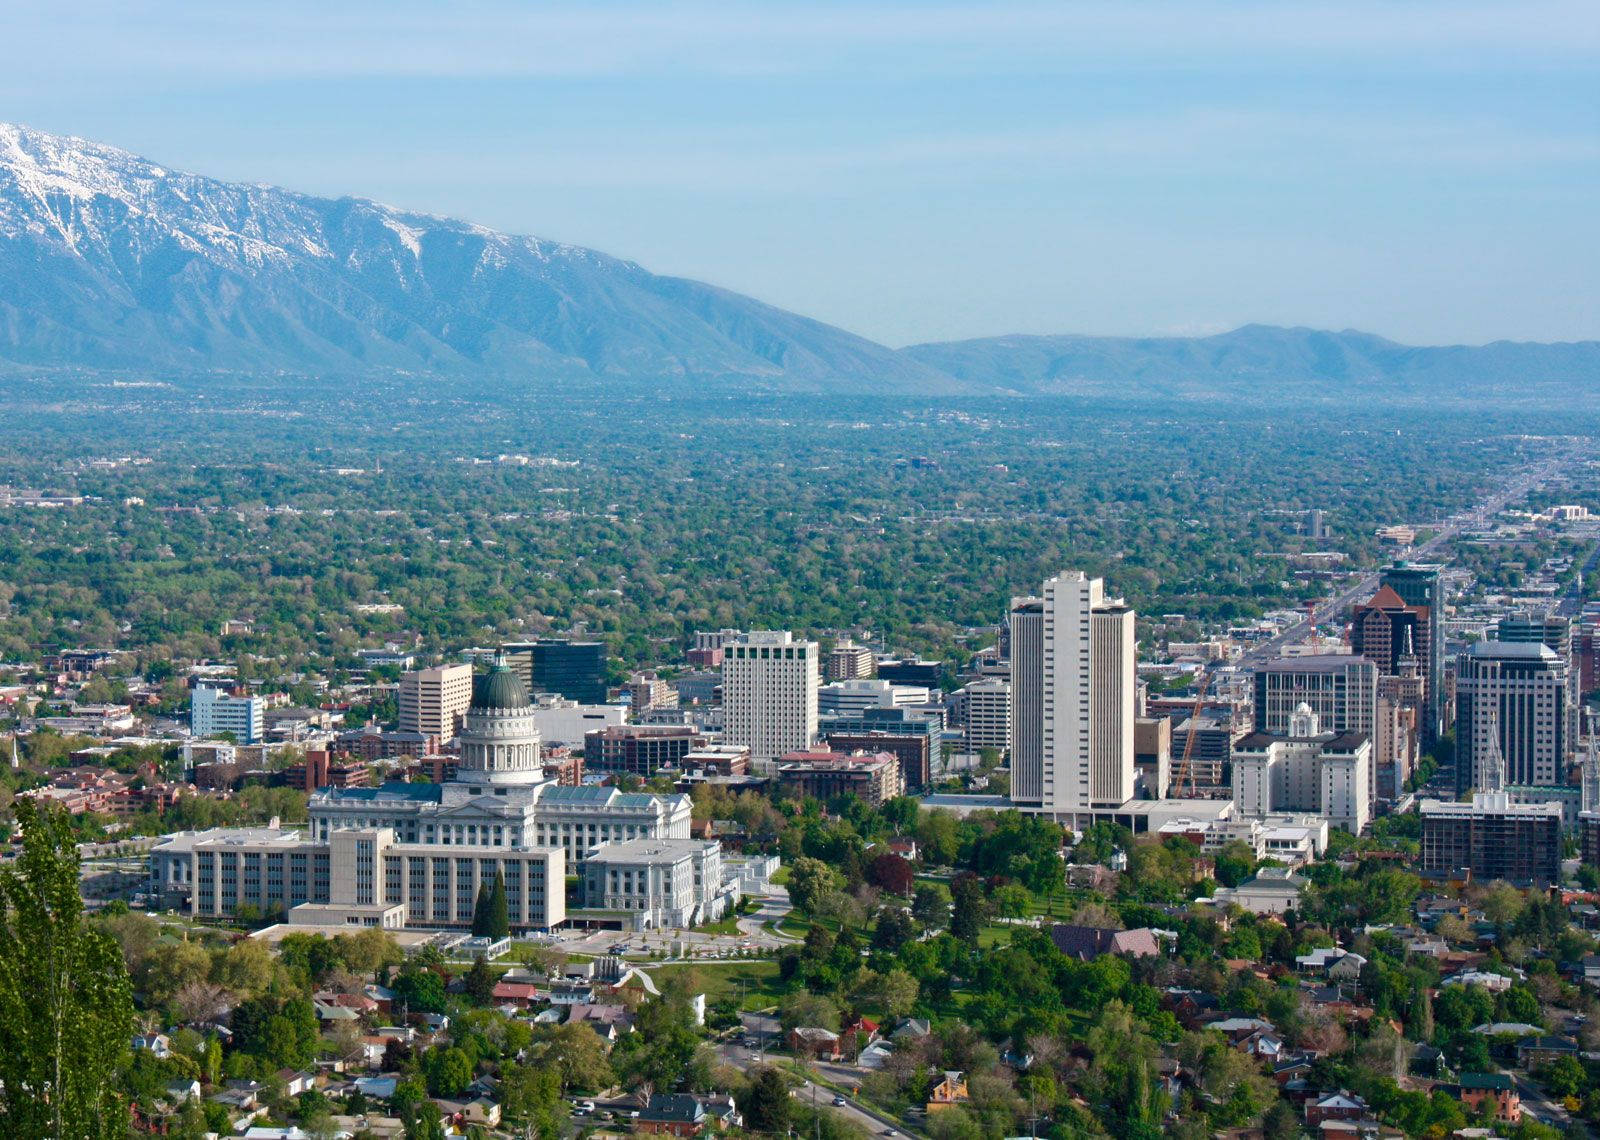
x: 1184, y: 783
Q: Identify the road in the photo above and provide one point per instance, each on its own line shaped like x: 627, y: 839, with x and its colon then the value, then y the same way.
x: 1539, y: 1104
x: 765, y: 1034
x: 1479, y: 514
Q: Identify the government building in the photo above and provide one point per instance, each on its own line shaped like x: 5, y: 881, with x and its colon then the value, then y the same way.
x: 416, y: 854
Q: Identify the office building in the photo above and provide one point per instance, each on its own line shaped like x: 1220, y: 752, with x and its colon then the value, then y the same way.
x: 1422, y: 586
x: 769, y: 694
x: 1202, y: 770
x: 848, y: 661
x: 658, y: 883
x: 1492, y: 838
x: 572, y: 669
x: 213, y: 712
x: 1152, y: 757
x: 1073, y: 696
x: 706, y: 650
x: 872, y: 778
x: 988, y: 714
x: 648, y: 690
x: 846, y: 698
x: 1511, y: 709
x: 1547, y: 627
x: 1341, y: 689
x: 640, y: 749
x: 1305, y: 770
x: 433, y: 701
x: 910, y: 671
x: 911, y: 750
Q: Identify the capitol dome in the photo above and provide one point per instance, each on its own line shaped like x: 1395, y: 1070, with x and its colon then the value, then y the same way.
x: 499, y: 688
x: 499, y: 735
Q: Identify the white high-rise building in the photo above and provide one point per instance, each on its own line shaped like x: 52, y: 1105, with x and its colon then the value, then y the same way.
x: 1073, y: 696
x: 769, y: 694
x: 213, y: 712
x: 844, y: 698
x: 989, y: 714
x: 433, y: 701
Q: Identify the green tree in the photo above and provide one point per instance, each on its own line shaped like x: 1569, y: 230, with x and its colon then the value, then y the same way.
x: 66, y: 1003
x: 499, y: 920
x: 448, y: 1071
x: 809, y: 880
x: 480, y: 981
x: 768, y: 1107
x: 480, y: 912
x: 969, y: 908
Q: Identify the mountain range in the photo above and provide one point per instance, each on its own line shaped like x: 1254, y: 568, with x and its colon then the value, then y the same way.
x: 109, y: 261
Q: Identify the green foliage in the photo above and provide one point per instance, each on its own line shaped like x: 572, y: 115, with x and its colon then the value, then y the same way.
x: 66, y: 1008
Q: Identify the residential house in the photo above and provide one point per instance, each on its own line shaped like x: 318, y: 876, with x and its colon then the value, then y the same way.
x: 1341, y: 1105
x: 1475, y: 1088
x: 677, y: 1114
x: 1086, y: 943
x: 481, y: 1112
x: 814, y: 1041
x: 294, y: 1083
x: 1533, y: 1052
x: 949, y: 1092
x: 158, y: 1044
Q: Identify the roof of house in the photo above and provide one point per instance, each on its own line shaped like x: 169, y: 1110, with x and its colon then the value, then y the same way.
x: 673, y: 1108
x: 1486, y: 1081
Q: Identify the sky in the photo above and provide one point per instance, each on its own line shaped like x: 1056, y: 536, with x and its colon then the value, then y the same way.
x: 1424, y: 169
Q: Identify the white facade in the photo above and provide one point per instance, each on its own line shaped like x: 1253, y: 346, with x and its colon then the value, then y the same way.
x: 213, y: 712
x: 433, y: 701
x: 1305, y: 770
x: 989, y: 714
x: 1073, y: 698
x: 851, y: 697
x: 562, y: 721
x: 769, y: 694
x: 663, y: 883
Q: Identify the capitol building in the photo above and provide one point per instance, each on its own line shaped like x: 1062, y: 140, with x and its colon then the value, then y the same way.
x: 414, y: 855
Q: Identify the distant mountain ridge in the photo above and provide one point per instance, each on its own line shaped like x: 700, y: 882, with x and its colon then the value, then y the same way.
x: 1257, y: 361
x: 109, y: 261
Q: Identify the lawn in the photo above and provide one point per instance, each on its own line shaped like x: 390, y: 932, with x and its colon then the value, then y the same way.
x: 755, y: 980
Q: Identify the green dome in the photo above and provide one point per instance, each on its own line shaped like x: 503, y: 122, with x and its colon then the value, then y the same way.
x: 499, y: 688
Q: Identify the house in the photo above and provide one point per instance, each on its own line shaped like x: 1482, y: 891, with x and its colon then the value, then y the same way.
x: 912, y: 1029
x: 1494, y: 983
x: 575, y: 991
x: 1274, y: 890
x: 1237, y: 1029
x: 1535, y: 1051
x: 1591, y: 969
x: 856, y: 1034
x: 238, y: 1094
x: 814, y: 1041
x: 378, y: 1127
x: 294, y: 1083
x: 951, y: 1091
x: 159, y: 1044
x: 1475, y: 1088
x: 1333, y: 963
x: 721, y: 1111
x: 180, y: 1091
x: 1267, y: 1046
x: 678, y: 1114
x: 519, y: 994
x: 377, y: 1088
x: 330, y: 1014
x: 484, y: 1113
x: 609, y: 1021
x: 1341, y: 1105
x: 874, y: 1055
x: 1086, y: 943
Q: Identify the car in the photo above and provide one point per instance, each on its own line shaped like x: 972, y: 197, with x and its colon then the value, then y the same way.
x: 890, y: 1132
x: 585, y: 1107
x: 838, y: 1102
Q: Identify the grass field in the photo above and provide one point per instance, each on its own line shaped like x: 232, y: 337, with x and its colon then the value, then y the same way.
x: 757, y: 981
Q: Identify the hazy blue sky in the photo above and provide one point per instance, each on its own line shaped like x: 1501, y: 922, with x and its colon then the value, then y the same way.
x: 1425, y: 170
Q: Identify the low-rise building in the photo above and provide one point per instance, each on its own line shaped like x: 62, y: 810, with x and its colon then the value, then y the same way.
x: 873, y: 778
x: 1492, y: 838
x: 658, y: 882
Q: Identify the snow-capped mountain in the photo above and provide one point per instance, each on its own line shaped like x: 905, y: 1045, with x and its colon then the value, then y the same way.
x: 111, y: 260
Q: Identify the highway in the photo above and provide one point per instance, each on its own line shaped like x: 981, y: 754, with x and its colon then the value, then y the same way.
x: 1476, y: 516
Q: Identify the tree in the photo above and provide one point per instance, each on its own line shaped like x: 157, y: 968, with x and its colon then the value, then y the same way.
x: 448, y: 1071
x: 499, y: 917
x: 768, y: 1107
x: 66, y: 1002
x: 480, y: 981
x: 969, y: 908
x: 891, y: 873
x: 1502, y: 903
x: 894, y: 929
x: 480, y: 912
x: 809, y: 880
x: 577, y: 1055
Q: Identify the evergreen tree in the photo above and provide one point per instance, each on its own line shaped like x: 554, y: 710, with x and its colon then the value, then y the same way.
x: 769, y: 1107
x: 480, y: 912
x: 66, y: 1004
x: 480, y: 981
x: 499, y: 918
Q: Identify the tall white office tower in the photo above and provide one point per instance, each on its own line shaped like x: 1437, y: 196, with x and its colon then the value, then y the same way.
x: 1073, y: 696
x: 769, y: 694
